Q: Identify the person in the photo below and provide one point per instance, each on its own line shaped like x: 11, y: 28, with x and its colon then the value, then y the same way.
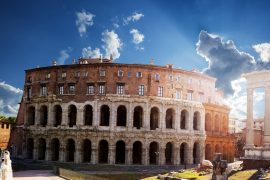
x: 6, y: 169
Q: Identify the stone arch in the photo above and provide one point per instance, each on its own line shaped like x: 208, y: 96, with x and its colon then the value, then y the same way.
x: 57, y: 115
x: 43, y: 117
x: 170, y: 116
x: 184, y: 153
x: 217, y: 123
x: 72, y: 115
x: 196, y: 153
x: 55, y: 148
x: 153, y: 153
x: 196, y: 120
x: 30, y: 148
x: 121, y: 116
x: 104, y: 115
x: 120, y: 151
x: 137, y: 153
x: 208, y: 152
x: 87, y: 150
x: 31, y: 116
x: 138, y: 117
x: 208, y: 122
x: 169, y: 153
x: 154, y: 118
x: 70, y: 150
x: 217, y: 148
x: 103, y: 151
x: 88, y: 115
x: 41, y: 149
x: 184, y: 119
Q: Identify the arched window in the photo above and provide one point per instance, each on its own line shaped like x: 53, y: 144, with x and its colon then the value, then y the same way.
x: 196, y: 153
x: 208, y: 152
x: 208, y: 122
x: 154, y: 118
x: 72, y: 115
x: 43, y: 116
x: 217, y: 123
x: 31, y: 116
x: 169, y: 153
x: 30, y: 148
x: 88, y: 115
x: 121, y: 116
x: 87, y: 150
x: 70, y: 150
x: 55, y: 148
x: 184, y: 153
x: 138, y: 117
x: 137, y: 153
x: 41, y: 149
x: 169, y: 118
x: 153, y: 153
x: 184, y: 119
x: 104, y: 115
x: 196, y: 121
x: 57, y: 115
x: 103, y: 150
x: 120, y: 152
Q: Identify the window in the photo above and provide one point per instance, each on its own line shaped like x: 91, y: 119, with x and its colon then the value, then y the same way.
x: 77, y: 74
x: 64, y: 75
x: 29, y: 92
x: 120, y: 89
x: 102, y: 73
x: 178, y: 78
x: 43, y: 91
x: 141, y: 90
x: 7, y: 126
x: 85, y: 74
x: 201, y: 97
x: 90, y: 89
x: 60, y: 89
x: 29, y: 79
x: 129, y: 74
x: 101, y: 89
x: 170, y: 77
x: 189, y: 95
x: 120, y: 73
x: 160, y: 91
x: 71, y: 89
x: 178, y: 94
x: 139, y: 74
x: 48, y: 76
x: 157, y: 77
x: 3, y: 126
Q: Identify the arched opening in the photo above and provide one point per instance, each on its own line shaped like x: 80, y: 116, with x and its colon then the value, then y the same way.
x: 169, y: 153
x: 57, y: 115
x: 184, y: 153
x: 70, y: 150
x: 121, y: 116
x: 217, y: 123
x: 208, y: 152
x: 169, y: 118
x: 153, y: 153
x: 103, y: 150
x: 208, y: 122
x: 196, y: 121
x: 43, y: 116
x: 184, y: 119
x: 31, y: 116
x: 224, y: 152
x: 41, y: 149
x: 224, y: 124
x: 137, y: 153
x: 138, y: 117
x: 72, y: 115
x: 120, y: 152
x: 88, y: 115
x: 87, y: 150
x: 196, y: 153
x: 55, y: 148
x: 30, y: 148
x: 104, y: 115
x: 217, y: 148
x: 154, y: 118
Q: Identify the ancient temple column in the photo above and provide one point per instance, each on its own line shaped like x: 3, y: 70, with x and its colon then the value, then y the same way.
x: 50, y: 115
x: 80, y: 117
x: 78, y: 152
x: 128, y: 155
x: 266, y: 136
x: 145, y: 156
x: 130, y: 112
x: 177, y: 119
x: 249, y: 139
x: 176, y: 154
x: 111, y: 155
x: 94, y: 158
x: 65, y: 117
x: 62, y: 153
x: 37, y: 114
x: 95, y: 114
x: 113, y: 114
x: 162, y: 124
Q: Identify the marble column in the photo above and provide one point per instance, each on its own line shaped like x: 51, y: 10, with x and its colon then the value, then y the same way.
x: 266, y: 136
x: 111, y: 154
x: 249, y: 138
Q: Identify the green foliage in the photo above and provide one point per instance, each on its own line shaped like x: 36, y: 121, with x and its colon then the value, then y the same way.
x: 10, y: 119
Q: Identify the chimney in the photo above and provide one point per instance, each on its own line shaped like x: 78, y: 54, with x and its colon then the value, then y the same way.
x: 100, y: 58
x: 169, y: 66
x: 54, y: 62
x: 111, y: 57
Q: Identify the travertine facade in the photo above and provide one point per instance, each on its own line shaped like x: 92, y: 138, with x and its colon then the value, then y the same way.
x: 103, y: 112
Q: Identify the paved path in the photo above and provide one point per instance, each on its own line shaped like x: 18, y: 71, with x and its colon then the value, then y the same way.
x: 35, y: 175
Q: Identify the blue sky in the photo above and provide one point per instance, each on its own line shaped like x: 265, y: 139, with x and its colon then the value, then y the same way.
x: 35, y: 32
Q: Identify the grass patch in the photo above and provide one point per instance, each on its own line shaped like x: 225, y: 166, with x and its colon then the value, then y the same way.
x: 247, y: 174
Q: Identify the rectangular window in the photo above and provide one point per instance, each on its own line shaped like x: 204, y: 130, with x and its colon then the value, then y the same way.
x: 178, y: 94
x: 170, y: 77
x: 102, y: 73
x: 178, y: 78
x: 129, y: 74
x: 101, y: 89
x: 77, y: 74
x: 201, y: 97
x: 190, y: 95
x: 29, y: 92
x: 90, y: 89
x: 120, y: 73
x: 64, y: 75
x: 139, y: 74
x: 71, y: 89
x: 85, y: 74
x: 160, y: 91
x: 157, y: 77
x: 43, y: 91
x: 141, y: 90
x: 61, y: 89
x: 48, y: 76
x: 7, y: 126
x: 120, y: 89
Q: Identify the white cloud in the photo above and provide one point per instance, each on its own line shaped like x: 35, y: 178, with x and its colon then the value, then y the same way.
x: 84, y: 19
x: 112, y: 44
x: 134, y: 17
x: 88, y: 52
x: 64, y: 55
x: 137, y: 36
x: 9, y: 99
x: 116, y: 25
x: 263, y: 50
